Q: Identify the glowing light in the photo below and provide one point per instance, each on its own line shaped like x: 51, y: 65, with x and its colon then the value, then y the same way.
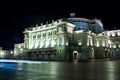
x: 79, y: 43
x: 119, y: 46
x: 53, y: 43
x: 11, y: 52
x: 47, y: 43
x: 21, y: 49
x: 69, y: 24
x: 103, y: 43
x: 109, y: 41
x: 110, y: 46
x: 36, y: 43
x: 114, y: 46
x: 97, y: 44
x: 66, y: 44
x: 108, y: 34
x: 118, y: 33
x: 89, y: 41
x: 2, y: 53
x: 79, y: 31
x: 75, y: 52
x: 72, y: 14
x: 69, y: 29
x: 22, y: 61
x: 41, y: 44
x: 113, y: 34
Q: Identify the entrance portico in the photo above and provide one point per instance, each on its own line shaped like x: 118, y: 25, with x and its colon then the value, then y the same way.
x: 75, y: 55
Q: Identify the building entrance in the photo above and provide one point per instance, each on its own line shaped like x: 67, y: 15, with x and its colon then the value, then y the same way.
x: 91, y: 53
x: 75, y: 56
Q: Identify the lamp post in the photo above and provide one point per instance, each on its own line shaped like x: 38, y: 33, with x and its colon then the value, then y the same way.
x: 80, y: 50
x: 11, y: 54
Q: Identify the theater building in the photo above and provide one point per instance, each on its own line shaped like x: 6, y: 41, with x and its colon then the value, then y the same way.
x: 70, y: 39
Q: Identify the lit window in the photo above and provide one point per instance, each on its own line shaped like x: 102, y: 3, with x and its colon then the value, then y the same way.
x: 113, y: 34
x: 97, y: 43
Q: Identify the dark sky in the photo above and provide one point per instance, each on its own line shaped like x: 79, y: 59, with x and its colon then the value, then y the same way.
x: 19, y: 14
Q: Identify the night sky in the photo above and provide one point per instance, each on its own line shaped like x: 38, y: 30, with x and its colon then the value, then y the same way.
x: 17, y: 15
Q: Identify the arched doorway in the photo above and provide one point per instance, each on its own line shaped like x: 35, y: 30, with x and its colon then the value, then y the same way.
x: 75, y: 55
x: 91, y: 53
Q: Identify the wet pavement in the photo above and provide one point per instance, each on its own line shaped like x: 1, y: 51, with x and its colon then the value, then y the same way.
x: 101, y: 70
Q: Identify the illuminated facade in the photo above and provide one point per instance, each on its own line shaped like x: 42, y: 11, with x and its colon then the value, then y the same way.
x: 18, y: 50
x: 68, y: 39
x: 6, y: 54
x: 114, y: 36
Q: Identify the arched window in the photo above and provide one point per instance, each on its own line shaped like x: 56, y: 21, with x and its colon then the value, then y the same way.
x: 60, y: 41
x: 39, y: 35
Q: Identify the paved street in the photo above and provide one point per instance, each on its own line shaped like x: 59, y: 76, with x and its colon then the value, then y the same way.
x: 101, y: 70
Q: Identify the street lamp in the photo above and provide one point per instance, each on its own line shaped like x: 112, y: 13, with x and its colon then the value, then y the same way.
x: 11, y: 54
x: 21, y: 49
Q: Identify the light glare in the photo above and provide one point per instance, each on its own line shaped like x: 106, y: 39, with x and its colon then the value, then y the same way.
x: 23, y: 61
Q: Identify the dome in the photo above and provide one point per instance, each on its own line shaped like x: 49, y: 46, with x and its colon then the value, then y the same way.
x: 80, y: 23
x: 95, y: 25
x: 78, y: 19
